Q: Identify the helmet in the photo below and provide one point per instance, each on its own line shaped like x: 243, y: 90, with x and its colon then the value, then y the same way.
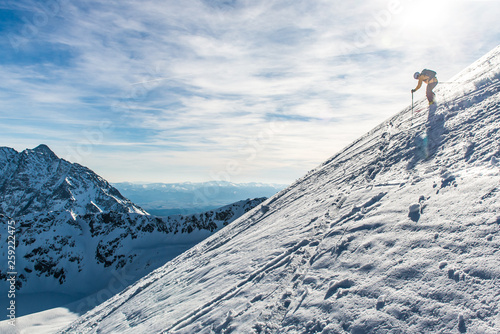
x: 416, y: 75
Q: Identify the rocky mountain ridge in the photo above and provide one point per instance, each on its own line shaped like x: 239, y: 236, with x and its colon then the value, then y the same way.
x: 36, y: 180
x: 61, y: 248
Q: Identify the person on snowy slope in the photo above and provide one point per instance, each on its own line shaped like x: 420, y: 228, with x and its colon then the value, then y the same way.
x: 429, y: 77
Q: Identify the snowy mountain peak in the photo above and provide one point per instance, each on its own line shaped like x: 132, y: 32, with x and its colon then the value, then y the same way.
x: 397, y: 233
x: 44, y: 150
x: 36, y: 180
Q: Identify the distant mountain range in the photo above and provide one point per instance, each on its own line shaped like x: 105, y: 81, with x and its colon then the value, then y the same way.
x: 165, y: 199
x: 73, y: 227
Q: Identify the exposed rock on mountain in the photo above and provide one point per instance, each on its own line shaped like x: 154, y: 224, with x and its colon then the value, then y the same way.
x: 37, y: 180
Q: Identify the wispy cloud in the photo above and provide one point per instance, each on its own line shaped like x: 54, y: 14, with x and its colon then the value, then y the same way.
x: 194, y: 85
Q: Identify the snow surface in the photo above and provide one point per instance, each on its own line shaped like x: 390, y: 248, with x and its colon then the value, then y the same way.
x: 45, y: 322
x: 398, y: 233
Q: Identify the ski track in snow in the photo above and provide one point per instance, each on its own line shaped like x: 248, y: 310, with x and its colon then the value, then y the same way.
x: 398, y: 233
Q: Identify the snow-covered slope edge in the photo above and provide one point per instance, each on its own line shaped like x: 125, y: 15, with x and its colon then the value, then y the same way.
x: 398, y: 233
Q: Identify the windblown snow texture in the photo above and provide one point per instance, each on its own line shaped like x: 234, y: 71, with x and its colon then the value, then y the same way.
x: 398, y: 233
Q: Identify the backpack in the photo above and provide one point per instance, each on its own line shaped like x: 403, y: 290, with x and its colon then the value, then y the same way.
x: 429, y: 73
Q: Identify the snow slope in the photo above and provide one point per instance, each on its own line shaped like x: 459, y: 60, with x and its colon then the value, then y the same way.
x: 398, y: 233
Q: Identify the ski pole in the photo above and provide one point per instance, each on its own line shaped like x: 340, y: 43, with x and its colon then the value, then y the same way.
x: 412, y: 108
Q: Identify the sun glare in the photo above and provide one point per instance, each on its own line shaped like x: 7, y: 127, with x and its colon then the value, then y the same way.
x: 425, y: 15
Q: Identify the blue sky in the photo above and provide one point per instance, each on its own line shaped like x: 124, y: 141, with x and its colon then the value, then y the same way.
x: 238, y: 90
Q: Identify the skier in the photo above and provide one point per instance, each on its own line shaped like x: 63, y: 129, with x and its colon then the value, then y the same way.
x: 429, y: 77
